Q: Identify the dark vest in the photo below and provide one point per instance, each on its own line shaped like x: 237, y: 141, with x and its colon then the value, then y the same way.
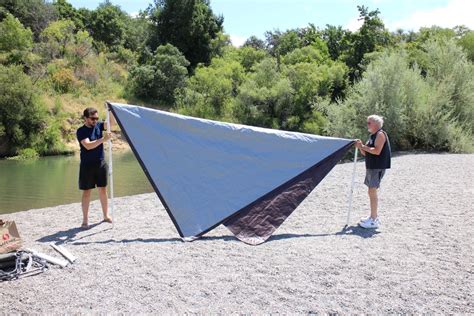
x: 381, y: 161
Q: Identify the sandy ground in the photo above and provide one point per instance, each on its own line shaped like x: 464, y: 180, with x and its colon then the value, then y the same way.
x: 419, y: 261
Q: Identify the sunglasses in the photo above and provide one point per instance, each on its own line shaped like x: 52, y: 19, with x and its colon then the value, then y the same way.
x: 369, y: 123
x: 93, y: 118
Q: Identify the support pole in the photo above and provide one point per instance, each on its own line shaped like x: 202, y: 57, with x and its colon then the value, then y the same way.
x: 352, y: 188
x: 111, y: 173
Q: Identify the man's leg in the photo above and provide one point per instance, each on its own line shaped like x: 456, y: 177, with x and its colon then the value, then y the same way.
x: 105, y: 203
x: 373, y: 202
x: 86, y: 199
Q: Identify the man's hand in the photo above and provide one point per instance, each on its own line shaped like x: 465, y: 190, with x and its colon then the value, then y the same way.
x: 358, y: 143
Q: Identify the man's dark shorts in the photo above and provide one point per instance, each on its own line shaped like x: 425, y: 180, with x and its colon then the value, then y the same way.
x: 93, y: 175
x: 373, y: 177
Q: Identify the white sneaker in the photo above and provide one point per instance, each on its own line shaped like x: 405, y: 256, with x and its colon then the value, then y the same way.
x: 370, y: 223
x: 364, y: 219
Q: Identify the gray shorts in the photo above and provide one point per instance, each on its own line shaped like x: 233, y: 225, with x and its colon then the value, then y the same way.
x: 373, y: 177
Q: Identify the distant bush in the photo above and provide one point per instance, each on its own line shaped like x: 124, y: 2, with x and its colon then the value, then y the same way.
x: 247, y: 56
x: 210, y: 91
x: 432, y: 113
x: 87, y: 74
x: 16, y: 41
x: 64, y: 80
x: 265, y: 98
x: 21, y: 115
x: 24, y: 119
x: 51, y: 140
x: 124, y: 56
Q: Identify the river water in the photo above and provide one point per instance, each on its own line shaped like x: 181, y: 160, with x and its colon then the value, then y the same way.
x: 51, y: 181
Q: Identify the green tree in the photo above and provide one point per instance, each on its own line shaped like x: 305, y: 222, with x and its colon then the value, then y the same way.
x: 160, y: 79
x: 388, y: 88
x: 33, y: 14
x: 434, y: 33
x: 66, y: 11
x: 254, y: 42
x: 80, y: 48
x: 310, y: 35
x: 22, y: 118
x: 419, y: 113
x: 371, y: 36
x: 209, y: 93
x: 15, y: 40
x: 272, y: 42
x: 288, y: 42
x: 247, y: 56
x: 337, y: 40
x: 449, y: 69
x: 265, y: 98
x: 190, y: 25
x: 137, y: 31
x: 308, y: 54
x: 219, y: 44
x: 107, y: 24
x: 56, y: 37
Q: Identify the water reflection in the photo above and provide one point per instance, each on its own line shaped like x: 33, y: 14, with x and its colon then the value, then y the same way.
x: 53, y: 181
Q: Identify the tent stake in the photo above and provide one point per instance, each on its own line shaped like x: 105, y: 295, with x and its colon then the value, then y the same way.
x: 352, y: 188
x: 111, y: 174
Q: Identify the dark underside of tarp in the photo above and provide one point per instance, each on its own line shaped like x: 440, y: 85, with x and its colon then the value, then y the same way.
x: 255, y: 223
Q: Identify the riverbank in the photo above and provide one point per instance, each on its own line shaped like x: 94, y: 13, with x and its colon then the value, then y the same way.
x: 419, y: 261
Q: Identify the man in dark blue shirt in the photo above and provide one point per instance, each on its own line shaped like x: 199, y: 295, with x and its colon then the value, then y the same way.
x: 93, y: 169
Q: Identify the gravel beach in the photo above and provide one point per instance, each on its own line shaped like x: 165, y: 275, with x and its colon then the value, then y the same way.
x: 419, y: 261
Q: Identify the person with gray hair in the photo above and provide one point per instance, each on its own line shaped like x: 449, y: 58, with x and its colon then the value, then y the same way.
x: 377, y: 152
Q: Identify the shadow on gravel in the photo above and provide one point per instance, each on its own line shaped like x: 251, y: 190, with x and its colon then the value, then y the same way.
x: 70, y: 235
x: 202, y: 239
x: 351, y: 230
x: 358, y: 231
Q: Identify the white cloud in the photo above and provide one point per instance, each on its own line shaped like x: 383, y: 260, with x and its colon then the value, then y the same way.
x: 354, y: 24
x: 456, y: 12
x: 134, y: 14
x: 237, y: 40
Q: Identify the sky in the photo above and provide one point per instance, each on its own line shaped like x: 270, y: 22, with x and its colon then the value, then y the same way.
x: 244, y: 18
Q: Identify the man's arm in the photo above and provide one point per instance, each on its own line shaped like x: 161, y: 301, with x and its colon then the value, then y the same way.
x: 88, y: 144
x: 379, y: 142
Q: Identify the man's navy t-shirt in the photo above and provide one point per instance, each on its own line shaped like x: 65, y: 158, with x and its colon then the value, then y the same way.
x: 93, y: 133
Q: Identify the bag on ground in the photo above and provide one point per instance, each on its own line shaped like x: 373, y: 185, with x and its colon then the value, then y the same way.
x: 9, y: 237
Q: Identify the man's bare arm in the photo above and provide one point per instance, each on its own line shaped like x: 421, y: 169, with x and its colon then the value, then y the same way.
x: 379, y: 142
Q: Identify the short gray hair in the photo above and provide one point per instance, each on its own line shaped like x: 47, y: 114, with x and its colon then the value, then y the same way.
x: 377, y: 119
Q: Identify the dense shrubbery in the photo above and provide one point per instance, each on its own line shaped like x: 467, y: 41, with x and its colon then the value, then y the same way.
x: 175, y: 55
x: 433, y: 112
x: 23, y: 119
x: 422, y: 83
x: 161, y: 76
